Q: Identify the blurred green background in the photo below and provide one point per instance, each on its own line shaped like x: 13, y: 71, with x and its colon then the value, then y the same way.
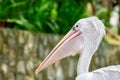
x: 56, y: 16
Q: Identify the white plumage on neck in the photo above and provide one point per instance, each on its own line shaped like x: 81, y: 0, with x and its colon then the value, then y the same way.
x: 92, y: 38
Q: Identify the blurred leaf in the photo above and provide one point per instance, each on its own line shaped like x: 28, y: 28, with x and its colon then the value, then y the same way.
x: 4, y: 7
x: 53, y: 16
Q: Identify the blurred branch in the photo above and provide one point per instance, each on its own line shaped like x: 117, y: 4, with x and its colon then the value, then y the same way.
x: 112, y: 38
x: 113, y: 34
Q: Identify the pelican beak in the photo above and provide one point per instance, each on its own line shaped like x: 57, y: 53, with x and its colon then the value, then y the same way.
x: 65, y: 48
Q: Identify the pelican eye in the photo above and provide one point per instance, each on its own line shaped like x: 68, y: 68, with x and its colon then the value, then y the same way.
x: 76, y: 27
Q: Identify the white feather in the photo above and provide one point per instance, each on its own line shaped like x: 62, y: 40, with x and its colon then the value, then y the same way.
x: 106, y: 73
x: 94, y: 31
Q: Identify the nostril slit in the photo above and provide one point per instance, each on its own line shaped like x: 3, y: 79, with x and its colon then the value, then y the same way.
x: 73, y: 28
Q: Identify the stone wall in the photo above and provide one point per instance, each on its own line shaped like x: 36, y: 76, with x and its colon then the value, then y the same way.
x: 21, y: 52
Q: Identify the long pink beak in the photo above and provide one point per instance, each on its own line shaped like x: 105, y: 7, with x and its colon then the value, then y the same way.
x: 65, y: 48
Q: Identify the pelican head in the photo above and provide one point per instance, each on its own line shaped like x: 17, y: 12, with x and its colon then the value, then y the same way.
x: 83, y: 33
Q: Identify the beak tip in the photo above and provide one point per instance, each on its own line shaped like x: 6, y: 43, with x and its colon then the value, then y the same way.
x: 36, y: 72
x: 39, y: 69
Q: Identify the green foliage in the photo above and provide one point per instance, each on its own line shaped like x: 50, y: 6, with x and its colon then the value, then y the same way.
x: 54, y: 16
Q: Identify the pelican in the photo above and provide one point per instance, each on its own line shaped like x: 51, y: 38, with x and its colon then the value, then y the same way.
x: 84, y: 39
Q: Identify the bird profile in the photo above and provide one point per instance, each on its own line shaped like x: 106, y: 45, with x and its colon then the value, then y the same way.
x: 83, y: 39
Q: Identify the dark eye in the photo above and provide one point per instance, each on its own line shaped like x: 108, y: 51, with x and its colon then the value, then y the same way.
x: 77, y: 26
